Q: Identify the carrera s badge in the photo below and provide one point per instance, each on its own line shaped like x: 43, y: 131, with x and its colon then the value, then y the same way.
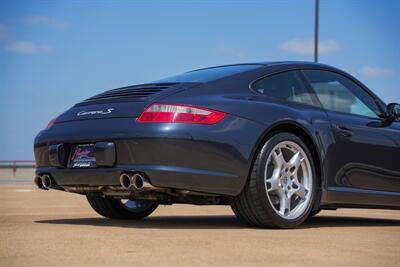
x: 95, y: 112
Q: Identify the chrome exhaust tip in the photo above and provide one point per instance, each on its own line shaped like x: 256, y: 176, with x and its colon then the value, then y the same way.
x: 136, y: 181
x: 125, y: 180
x: 38, y: 182
x: 144, y: 182
x: 140, y: 182
x: 46, y: 181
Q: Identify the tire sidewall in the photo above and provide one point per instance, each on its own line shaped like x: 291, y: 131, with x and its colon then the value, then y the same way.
x: 113, y: 208
x: 149, y: 208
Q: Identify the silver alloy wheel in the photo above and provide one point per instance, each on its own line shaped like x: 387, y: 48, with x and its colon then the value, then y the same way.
x: 288, y: 180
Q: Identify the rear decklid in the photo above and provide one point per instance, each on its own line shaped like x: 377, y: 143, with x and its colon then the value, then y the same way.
x: 122, y: 102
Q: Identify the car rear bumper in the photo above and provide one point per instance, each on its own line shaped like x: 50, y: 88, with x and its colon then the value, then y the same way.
x: 205, y: 158
x: 159, y: 176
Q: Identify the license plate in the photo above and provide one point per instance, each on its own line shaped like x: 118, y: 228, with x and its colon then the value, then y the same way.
x: 82, y: 156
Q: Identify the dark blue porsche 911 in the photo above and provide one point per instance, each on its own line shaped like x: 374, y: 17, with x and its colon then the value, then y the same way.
x: 277, y: 141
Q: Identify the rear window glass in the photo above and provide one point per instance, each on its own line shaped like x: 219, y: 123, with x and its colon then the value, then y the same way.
x: 285, y: 86
x: 210, y: 74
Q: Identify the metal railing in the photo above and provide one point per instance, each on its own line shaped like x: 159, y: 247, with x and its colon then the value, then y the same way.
x: 16, y: 169
x: 17, y: 163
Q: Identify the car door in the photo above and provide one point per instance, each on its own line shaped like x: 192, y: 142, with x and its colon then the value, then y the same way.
x: 365, y: 153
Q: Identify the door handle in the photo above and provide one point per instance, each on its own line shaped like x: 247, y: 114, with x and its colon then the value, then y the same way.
x: 343, y: 131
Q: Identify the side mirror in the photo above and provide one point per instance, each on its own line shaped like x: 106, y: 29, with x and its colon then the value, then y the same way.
x: 393, y: 111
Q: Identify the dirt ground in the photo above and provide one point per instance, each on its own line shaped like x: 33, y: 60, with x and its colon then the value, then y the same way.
x: 39, y: 228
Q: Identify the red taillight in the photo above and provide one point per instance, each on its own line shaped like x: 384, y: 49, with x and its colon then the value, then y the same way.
x: 162, y: 112
x: 51, y: 123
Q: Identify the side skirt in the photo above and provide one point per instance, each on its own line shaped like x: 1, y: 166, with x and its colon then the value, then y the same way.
x: 345, y: 197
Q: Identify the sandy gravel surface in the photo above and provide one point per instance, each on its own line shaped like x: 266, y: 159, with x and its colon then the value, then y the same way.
x: 39, y: 228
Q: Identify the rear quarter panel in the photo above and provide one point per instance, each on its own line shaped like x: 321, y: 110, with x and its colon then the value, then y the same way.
x: 233, y: 95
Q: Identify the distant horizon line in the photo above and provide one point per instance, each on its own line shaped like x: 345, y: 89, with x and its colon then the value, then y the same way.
x: 16, y: 160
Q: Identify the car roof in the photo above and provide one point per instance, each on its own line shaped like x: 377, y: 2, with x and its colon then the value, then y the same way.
x: 271, y: 63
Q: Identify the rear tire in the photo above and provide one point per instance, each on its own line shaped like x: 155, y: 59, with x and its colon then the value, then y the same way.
x: 314, y: 213
x: 118, y: 209
x: 281, y: 188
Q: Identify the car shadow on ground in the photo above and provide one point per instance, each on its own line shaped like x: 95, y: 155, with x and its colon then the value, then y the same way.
x: 218, y: 222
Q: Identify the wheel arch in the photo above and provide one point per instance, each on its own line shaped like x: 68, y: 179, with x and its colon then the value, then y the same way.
x: 303, y: 133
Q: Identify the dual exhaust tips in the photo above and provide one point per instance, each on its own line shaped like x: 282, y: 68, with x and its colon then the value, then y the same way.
x: 135, y: 181
x: 128, y: 181
x: 43, y: 182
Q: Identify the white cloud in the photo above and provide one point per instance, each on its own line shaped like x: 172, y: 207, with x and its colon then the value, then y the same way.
x: 27, y: 47
x: 375, y: 71
x: 44, y: 20
x: 232, y: 52
x: 306, y: 46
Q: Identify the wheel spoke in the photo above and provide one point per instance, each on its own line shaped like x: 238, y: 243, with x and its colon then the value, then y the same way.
x: 301, y: 191
x: 284, y: 203
x: 274, y: 181
x: 278, y: 158
x: 296, y: 160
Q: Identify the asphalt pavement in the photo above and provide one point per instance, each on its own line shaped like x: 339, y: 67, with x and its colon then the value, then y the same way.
x: 47, y: 228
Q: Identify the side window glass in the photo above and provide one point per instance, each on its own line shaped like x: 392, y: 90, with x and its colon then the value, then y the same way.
x: 338, y: 93
x: 285, y: 86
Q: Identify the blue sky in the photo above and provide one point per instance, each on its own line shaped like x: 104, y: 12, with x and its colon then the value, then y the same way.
x: 55, y: 53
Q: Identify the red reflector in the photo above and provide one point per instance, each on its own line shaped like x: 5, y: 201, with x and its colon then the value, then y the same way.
x: 162, y: 112
x: 51, y: 123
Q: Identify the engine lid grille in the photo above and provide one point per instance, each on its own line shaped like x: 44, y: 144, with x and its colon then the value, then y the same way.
x: 139, y: 92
